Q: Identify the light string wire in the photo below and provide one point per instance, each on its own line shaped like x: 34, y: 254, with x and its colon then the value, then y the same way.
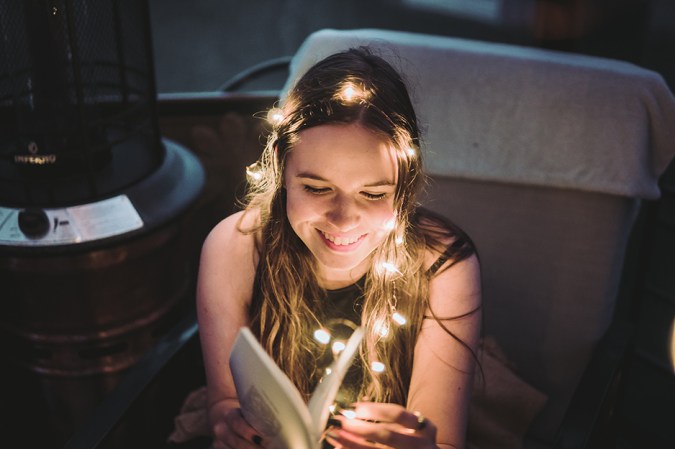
x: 350, y: 91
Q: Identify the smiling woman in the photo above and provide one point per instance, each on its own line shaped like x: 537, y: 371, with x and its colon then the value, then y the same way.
x: 331, y: 232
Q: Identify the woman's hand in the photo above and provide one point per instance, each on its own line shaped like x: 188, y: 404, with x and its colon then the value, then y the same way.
x: 391, y: 425
x: 231, y: 430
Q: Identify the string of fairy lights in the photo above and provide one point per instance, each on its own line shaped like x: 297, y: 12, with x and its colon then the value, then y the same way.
x: 348, y: 92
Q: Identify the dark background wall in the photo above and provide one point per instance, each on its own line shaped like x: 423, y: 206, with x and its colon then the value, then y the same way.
x: 200, y: 44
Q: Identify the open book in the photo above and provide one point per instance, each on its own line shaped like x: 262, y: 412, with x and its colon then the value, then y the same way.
x: 271, y: 403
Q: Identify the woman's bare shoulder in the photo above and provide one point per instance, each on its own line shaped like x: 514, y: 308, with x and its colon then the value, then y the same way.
x: 445, y: 242
x: 451, y: 262
x: 229, y: 256
x: 235, y: 233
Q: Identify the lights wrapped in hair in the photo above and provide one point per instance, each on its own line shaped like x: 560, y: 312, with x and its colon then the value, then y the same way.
x: 322, y: 336
x: 254, y: 173
x: 351, y: 87
x: 411, y: 151
x: 377, y: 367
x: 351, y: 91
x: 275, y: 116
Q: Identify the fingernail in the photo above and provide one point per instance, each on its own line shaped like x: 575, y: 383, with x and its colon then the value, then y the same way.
x: 257, y: 439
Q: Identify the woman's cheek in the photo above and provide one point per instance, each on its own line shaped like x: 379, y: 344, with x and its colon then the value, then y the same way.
x: 385, y: 216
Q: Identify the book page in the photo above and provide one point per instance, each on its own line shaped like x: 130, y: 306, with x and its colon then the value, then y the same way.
x: 324, y: 394
x: 269, y: 400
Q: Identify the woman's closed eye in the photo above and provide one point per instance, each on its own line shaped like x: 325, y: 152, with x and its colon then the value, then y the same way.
x: 374, y: 196
x: 316, y: 190
x: 371, y: 196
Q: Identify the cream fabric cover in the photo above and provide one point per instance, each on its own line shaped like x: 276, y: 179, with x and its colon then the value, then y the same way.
x: 506, y: 113
x: 551, y: 262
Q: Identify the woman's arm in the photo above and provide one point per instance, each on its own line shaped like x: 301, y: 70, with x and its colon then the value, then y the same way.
x: 443, y: 369
x: 442, y: 374
x: 224, y: 288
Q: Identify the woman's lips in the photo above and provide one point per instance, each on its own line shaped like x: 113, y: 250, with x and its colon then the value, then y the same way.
x: 336, y: 243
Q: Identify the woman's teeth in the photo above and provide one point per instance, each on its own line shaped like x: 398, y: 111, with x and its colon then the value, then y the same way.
x: 340, y: 241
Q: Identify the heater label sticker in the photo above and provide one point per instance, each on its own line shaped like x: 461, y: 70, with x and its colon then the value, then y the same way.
x: 83, y: 223
x: 106, y: 218
x: 62, y: 231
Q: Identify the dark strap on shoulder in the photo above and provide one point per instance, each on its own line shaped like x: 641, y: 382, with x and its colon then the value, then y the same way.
x: 456, y: 251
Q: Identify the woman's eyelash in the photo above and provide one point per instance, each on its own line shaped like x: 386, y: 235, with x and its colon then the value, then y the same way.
x: 316, y: 190
x: 322, y: 190
x: 374, y: 196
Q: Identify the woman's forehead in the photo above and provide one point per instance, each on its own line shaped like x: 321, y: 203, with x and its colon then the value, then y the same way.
x: 336, y: 151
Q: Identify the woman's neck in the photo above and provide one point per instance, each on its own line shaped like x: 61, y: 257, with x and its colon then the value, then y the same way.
x: 333, y: 279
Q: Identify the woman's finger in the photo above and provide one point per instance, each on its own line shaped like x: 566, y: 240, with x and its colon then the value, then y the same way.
x: 232, y: 440
x: 388, y: 434
x: 235, y: 432
x: 242, y: 428
x: 392, y: 413
x: 385, y: 424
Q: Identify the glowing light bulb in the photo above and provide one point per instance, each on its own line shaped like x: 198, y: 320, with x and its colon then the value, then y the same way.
x: 349, y: 414
x: 332, y: 408
x: 275, y: 116
x: 378, y: 367
x: 399, y: 319
x: 382, y: 328
x: 322, y: 336
x: 390, y: 267
x: 328, y: 370
x: 253, y: 172
x: 348, y: 92
x: 351, y: 92
x: 411, y: 151
x: 339, y: 346
x: 390, y: 224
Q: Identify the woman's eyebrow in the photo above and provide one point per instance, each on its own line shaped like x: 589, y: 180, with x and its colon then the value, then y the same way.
x: 309, y: 175
x: 383, y: 183
x: 315, y: 177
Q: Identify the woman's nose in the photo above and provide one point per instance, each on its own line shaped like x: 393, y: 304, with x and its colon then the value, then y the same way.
x: 344, y: 213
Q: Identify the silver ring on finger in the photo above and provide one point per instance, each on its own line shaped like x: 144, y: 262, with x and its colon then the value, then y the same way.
x: 421, y: 421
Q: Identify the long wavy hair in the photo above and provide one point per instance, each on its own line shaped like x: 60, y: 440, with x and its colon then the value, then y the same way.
x: 352, y: 87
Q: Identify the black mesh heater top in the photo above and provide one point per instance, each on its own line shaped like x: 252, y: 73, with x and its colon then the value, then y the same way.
x: 77, y: 100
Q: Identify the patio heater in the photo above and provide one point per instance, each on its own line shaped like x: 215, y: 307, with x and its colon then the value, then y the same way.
x: 94, y: 265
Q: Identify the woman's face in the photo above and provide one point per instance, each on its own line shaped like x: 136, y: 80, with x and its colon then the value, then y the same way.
x: 340, y: 182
